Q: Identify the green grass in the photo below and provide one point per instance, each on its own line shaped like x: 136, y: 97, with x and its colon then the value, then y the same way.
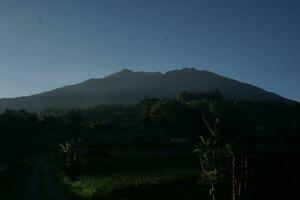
x: 106, y: 185
x: 165, y: 184
x: 134, y: 177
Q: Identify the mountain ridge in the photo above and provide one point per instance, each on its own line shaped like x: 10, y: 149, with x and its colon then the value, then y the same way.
x: 128, y: 87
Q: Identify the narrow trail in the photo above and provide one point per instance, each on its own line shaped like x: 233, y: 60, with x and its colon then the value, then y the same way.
x: 33, y: 184
x: 49, y: 185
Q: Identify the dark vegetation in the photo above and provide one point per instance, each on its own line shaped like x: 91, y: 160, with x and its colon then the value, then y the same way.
x: 145, y: 151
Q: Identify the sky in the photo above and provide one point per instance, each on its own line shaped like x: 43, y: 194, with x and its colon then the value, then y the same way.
x: 48, y: 44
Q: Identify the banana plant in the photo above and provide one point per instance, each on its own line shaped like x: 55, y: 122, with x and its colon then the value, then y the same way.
x: 69, y: 150
x: 212, y: 152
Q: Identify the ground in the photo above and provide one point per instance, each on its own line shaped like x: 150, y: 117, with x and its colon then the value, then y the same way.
x: 39, y: 185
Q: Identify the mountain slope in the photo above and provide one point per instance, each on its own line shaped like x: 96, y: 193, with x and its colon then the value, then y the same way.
x: 128, y: 87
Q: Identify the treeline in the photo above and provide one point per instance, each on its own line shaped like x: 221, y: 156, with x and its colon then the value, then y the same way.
x: 242, y: 121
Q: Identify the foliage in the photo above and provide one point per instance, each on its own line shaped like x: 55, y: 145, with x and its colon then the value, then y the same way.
x: 146, y: 106
x: 122, y: 185
x: 68, y: 151
x: 25, y: 134
x: 212, y: 152
x: 254, y: 122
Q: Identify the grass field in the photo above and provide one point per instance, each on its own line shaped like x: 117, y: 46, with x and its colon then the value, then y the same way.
x: 136, y: 179
x: 173, y: 184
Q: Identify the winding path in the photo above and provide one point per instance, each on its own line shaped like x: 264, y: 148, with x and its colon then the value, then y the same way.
x: 32, y: 185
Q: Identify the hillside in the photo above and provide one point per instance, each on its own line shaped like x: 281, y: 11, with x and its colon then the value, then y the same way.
x: 128, y: 87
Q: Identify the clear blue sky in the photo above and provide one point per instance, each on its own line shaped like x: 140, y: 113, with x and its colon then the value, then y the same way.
x: 48, y: 44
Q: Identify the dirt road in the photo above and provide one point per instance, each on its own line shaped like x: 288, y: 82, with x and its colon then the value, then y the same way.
x: 35, y: 184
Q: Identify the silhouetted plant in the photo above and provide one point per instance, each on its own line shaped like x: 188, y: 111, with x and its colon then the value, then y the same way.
x: 213, y: 153
x: 69, y: 151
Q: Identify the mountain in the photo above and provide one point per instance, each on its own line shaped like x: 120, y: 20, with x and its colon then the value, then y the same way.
x: 128, y: 87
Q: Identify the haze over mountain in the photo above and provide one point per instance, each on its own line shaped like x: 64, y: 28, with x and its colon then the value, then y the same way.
x: 128, y: 87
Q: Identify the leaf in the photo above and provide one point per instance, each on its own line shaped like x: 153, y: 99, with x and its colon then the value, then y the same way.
x: 203, y: 140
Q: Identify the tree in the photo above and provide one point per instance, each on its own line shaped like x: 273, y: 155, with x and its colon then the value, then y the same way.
x: 171, y: 117
x: 146, y: 106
